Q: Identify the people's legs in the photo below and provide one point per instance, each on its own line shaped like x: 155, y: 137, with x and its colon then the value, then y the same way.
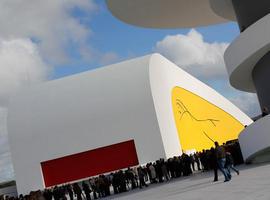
x: 228, y: 172
x: 221, y: 165
x: 215, y: 174
x: 234, y: 169
x: 193, y: 167
x: 88, y: 197
x: 71, y: 196
x: 95, y: 194
x: 198, y: 165
x: 141, y: 182
x: 167, y: 177
x: 228, y: 168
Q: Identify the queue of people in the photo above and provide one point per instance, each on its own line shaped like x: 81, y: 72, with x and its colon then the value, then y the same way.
x: 221, y: 157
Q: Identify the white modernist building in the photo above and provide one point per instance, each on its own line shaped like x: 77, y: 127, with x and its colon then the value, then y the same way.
x: 124, y: 110
x: 247, y: 58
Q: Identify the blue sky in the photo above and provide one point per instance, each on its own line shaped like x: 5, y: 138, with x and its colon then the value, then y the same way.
x: 111, y: 35
x: 124, y: 41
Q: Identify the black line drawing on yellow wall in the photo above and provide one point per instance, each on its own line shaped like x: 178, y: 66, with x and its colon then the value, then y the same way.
x: 183, y: 110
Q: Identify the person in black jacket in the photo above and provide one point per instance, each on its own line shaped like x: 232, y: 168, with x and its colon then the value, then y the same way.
x: 213, y: 163
x: 70, y: 192
x: 221, y: 159
x: 86, y: 190
x: 230, y: 163
x: 47, y: 194
x: 78, y: 191
x: 56, y: 193
x: 141, y: 175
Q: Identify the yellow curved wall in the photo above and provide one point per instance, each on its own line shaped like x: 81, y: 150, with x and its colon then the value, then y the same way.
x: 199, y: 121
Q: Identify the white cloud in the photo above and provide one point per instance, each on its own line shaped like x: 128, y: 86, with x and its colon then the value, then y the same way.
x: 205, y: 61
x: 193, y: 54
x: 20, y: 65
x: 50, y: 23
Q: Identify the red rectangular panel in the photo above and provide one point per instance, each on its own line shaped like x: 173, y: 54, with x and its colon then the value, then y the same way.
x: 89, y: 163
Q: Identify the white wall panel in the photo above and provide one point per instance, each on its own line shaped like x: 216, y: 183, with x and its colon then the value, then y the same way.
x: 129, y: 100
x: 82, y: 112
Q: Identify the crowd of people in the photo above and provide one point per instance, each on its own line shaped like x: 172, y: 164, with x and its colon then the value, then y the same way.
x: 222, y: 157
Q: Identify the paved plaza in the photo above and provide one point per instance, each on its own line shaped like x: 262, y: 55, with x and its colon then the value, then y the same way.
x: 253, y: 183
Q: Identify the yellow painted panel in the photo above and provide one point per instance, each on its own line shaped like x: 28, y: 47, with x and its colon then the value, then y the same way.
x: 199, y: 122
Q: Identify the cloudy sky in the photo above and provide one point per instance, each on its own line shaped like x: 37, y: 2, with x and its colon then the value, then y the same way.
x: 44, y: 40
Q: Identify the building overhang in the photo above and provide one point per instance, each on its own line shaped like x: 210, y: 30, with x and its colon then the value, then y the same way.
x: 172, y: 13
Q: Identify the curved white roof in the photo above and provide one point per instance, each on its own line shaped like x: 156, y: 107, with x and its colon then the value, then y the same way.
x: 171, y: 13
x: 245, y: 52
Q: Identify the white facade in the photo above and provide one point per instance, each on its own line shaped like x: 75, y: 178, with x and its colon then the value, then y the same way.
x: 129, y: 100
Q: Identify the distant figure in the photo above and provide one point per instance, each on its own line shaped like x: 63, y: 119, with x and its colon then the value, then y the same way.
x: 165, y: 170
x: 78, y: 191
x: 203, y: 159
x: 158, y: 171
x: 141, y: 175
x: 192, y: 160
x: 131, y: 178
x: 214, y: 163
x: 265, y: 111
x: 47, y: 195
x: 70, y: 192
x: 152, y: 173
x: 21, y: 197
x: 122, y: 181
x: 230, y: 163
x: 56, y: 193
x: 93, y: 186
x: 86, y: 190
x: 197, y: 160
x: 186, y: 165
x: 221, y: 160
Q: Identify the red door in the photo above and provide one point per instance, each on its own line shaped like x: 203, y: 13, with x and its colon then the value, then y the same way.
x: 89, y: 163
